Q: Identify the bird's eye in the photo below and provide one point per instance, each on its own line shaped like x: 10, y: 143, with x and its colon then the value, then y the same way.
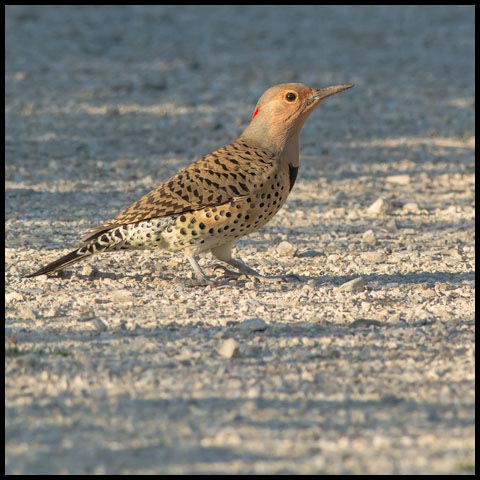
x: 290, y: 97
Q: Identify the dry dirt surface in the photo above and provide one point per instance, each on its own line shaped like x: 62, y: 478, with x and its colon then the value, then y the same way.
x: 363, y: 364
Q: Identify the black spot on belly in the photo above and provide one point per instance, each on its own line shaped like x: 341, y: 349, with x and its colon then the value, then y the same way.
x: 292, y: 171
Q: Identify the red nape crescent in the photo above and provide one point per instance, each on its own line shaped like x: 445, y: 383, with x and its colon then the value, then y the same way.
x: 255, y: 113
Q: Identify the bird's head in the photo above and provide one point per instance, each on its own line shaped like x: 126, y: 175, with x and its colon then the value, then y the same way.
x: 282, y: 110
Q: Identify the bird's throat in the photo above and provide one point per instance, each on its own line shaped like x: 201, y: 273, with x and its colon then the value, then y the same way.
x: 283, y: 143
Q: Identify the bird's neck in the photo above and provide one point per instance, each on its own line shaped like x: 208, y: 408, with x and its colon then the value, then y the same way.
x: 284, y: 144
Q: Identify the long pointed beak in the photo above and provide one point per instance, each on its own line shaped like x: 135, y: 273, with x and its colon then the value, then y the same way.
x: 322, y: 93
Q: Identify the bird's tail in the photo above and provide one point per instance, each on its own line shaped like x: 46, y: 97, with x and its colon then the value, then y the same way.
x: 136, y: 236
x: 61, y: 263
x: 101, y: 242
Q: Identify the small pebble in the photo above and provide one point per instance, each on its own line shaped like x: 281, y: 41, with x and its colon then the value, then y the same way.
x: 229, y: 348
x: 355, y: 285
x: 89, y: 271
x: 286, y: 249
x: 369, y: 237
x: 121, y: 296
x: 308, y: 342
x: 99, y: 325
x: 379, y: 207
x: 26, y: 313
x: 51, y: 312
x: 399, y: 179
x: 411, y: 207
x: 13, y: 297
x: 391, y: 225
x: 376, y: 256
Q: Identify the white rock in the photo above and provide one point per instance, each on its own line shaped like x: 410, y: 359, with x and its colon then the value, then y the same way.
x: 89, y: 271
x: 13, y: 297
x: 308, y: 342
x: 355, y: 285
x: 369, y: 237
x: 50, y: 313
x: 411, y: 207
x: 26, y: 313
x: 365, y: 306
x: 399, y: 179
x: 374, y: 257
x: 378, y: 207
x: 286, y: 249
x: 229, y: 348
x: 99, y: 325
x: 121, y: 296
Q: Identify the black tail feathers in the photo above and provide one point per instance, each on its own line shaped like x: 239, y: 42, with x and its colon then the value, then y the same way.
x: 61, y: 263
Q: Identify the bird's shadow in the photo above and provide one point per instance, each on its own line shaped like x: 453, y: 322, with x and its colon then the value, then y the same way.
x: 371, y: 280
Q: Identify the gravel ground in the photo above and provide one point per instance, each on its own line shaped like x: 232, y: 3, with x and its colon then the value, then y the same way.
x: 365, y: 365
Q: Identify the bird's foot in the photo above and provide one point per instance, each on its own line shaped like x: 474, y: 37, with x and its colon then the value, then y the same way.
x: 200, y: 279
x: 280, y: 278
x: 255, y: 276
x: 206, y: 282
x: 198, y: 282
x: 230, y: 274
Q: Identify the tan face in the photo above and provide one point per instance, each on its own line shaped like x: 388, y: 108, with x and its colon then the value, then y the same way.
x: 283, y: 101
x: 291, y: 103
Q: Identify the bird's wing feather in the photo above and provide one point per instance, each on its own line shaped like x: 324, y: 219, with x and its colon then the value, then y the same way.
x: 233, y: 171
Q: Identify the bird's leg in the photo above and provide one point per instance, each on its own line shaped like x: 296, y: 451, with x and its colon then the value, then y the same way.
x: 202, y: 280
x: 224, y: 254
x: 250, y: 272
x: 241, y: 267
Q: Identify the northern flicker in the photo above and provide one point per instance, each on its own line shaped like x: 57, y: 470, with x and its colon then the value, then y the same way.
x: 221, y: 197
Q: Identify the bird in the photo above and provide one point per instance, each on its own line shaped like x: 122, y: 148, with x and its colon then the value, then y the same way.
x: 220, y: 197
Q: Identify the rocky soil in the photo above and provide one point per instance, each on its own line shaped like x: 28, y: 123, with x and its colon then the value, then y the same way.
x: 363, y: 364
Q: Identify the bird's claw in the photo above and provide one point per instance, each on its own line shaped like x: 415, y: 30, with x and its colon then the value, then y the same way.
x: 198, y: 282
x: 230, y: 274
x: 227, y: 272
